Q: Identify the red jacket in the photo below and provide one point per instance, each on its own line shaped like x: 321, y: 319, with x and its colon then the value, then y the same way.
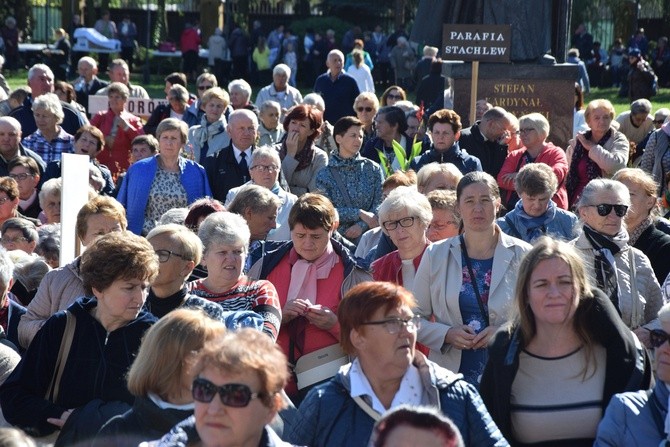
x: 389, y: 267
x: 190, y: 40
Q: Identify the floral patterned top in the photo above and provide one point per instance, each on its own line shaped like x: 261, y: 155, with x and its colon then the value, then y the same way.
x: 167, y: 192
x: 473, y: 361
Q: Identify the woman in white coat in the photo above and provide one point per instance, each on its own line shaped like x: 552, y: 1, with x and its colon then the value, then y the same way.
x: 460, y: 314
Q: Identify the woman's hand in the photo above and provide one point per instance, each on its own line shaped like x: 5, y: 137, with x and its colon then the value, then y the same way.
x: 481, y: 340
x: 353, y: 232
x: 292, y: 146
x: 369, y: 218
x: 509, y: 177
x: 321, y: 317
x: 460, y: 337
x: 588, y: 145
x: 643, y: 335
x: 294, y: 309
x: 59, y: 422
x: 109, y: 141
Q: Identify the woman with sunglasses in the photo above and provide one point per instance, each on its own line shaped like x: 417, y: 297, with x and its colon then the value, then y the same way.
x: 366, y: 106
x: 392, y: 95
x: 552, y: 371
x: 378, y: 329
x: 464, y: 284
x: 237, y: 393
x: 638, y: 417
x: 623, y: 272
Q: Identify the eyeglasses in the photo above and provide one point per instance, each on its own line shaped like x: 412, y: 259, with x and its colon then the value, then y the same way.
x: 659, y: 122
x: 205, y: 87
x: 405, y: 222
x: 657, y: 337
x: 525, y: 130
x: 364, y: 109
x: 605, y: 208
x: 4, y: 200
x: 12, y: 240
x: 264, y: 168
x: 164, y: 255
x: 234, y: 395
x: 20, y: 177
x: 393, y: 325
x: 392, y: 96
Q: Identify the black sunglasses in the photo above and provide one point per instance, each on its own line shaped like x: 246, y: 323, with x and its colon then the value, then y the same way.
x: 234, y: 395
x: 657, y: 337
x: 361, y: 109
x: 605, y: 208
x: 659, y: 122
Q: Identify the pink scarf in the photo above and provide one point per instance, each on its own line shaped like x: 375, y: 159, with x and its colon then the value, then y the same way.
x: 304, y: 274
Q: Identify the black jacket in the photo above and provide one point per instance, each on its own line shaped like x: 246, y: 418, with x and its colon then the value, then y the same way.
x: 82, y: 95
x: 454, y: 155
x: 491, y: 154
x: 656, y: 245
x: 72, y: 121
x: 4, y: 172
x: 224, y: 172
x: 627, y: 365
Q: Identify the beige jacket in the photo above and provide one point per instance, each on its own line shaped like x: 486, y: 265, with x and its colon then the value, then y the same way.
x: 637, y: 309
x: 59, y: 288
x: 610, y: 157
x: 437, y: 287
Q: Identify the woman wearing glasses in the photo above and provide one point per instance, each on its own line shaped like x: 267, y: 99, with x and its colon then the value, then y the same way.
x: 237, y: 393
x: 464, y: 284
x: 366, y: 106
x: 352, y: 182
x: 379, y: 330
x: 392, y: 95
x: 553, y: 370
x: 623, y: 272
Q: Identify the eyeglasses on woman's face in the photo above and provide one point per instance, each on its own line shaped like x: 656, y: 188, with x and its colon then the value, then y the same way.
x: 657, y: 337
x: 164, y: 255
x: 393, y: 325
x: 234, y: 395
x: 405, y: 222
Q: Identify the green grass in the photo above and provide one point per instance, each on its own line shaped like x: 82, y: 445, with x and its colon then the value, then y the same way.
x: 622, y: 104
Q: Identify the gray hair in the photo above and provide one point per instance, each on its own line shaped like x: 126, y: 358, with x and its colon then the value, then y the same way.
x: 662, y: 113
x: 173, y: 216
x: 406, y: 198
x: 48, y: 242
x: 51, y: 187
x: 225, y: 228
x: 535, y: 179
x: 536, y: 121
x: 29, y: 270
x: 429, y: 170
x: 270, y: 104
x: 51, y: 103
x: 265, y: 152
x: 495, y: 114
x: 6, y: 268
x: 39, y: 67
x: 16, y: 125
x: 241, y: 85
x: 599, y: 185
x: 664, y: 312
x: 640, y: 106
x: 316, y: 100
x: 282, y: 69
x: 26, y: 227
x: 88, y: 60
x: 179, y: 92
x: 253, y: 197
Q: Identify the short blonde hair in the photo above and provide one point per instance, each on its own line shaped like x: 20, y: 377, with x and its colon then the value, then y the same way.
x: 598, y: 104
x: 215, y: 92
x: 51, y: 103
x: 190, y: 246
x: 429, y: 170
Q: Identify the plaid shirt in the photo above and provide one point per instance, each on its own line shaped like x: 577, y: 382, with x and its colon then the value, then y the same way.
x: 49, y: 150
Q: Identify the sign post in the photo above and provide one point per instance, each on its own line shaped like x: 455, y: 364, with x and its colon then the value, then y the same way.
x: 476, y: 43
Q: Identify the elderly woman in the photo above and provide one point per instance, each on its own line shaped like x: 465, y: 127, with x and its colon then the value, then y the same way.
x: 237, y: 392
x: 178, y: 99
x: 49, y: 198
x: 567, y: 333
x: 18, y: 234
x: 656, y: 157
x: 225, y: 237
x: 65, y: 376
x: 404, y: 216
x: 311, y: 272
x: 49, y: 141
x: 240, y: 95
x: 534, y: 129
x: 642, y: 218
x: 352, y: 182
x: 167, y: 180
x: 264, y: 171
x: 436, y: 175
x: 412, y: 425
x: 392, y: 95
x: 9, y: 196
x: 88, y: 140
x: 536, y: 214
x: 62, y: 286
x: 210, y: 136
x: 366, y: 106
x: 119, y: 126
x: 258, y: 206
x: 446, y: 222
x: 637, y: 417
x: 478, y: 267
x: 598, y: 152
x: 301, y: 158
x: 390, y: 125
x: 379, y: 331
x: 160, y: 376
x: 624, y: 273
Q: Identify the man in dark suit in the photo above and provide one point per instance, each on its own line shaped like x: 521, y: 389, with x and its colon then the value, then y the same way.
x: 230, y: 167
x: 41, y: 81
x: 88, y: 82
x: 486, y: 139
x: 11, y: 147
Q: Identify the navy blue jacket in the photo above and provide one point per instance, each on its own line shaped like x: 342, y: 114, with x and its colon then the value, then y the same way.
x: 455, y: 155
x: 72, y: 121
x: 339, y: 96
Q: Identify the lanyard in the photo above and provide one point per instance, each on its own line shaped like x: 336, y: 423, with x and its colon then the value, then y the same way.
x: 473, y: 281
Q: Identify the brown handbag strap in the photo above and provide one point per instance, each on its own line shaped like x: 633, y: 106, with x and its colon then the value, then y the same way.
x: 63, y: 352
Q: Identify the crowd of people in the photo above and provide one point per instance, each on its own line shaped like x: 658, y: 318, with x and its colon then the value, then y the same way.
x: 331, y: 269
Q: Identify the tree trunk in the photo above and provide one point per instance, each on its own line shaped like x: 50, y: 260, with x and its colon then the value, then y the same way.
x: 400, y: 14
x: 209, y: 17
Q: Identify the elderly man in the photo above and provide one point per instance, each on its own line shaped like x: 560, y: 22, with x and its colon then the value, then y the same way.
x: 259, y: 208
x: 279, y: 90
x: 485, y: 139
x: 119, y: 72
x: 11, y: 147
x: 88, y: 82
x: 636, y: 122
x: 338, y: 89
x: 230, y: 167
x: 41, y: 81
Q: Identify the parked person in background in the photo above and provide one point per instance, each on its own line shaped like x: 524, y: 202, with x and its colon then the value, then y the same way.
x: 361, y: 73
x: 291, y: 60
x: 422, y: 68
x: 189, y: 43
x: 660, y: 58
x: 359, y: 45
x: 339, y: 90
x: 10, y: 36
x: 88, y: 82
x: 261, y: 60
x: 119, y: 72
x: 127, y: 35
x: 642, y: 81
x: 636, y: 123
x: 617, y: 56
x: 582, y: 74
x: 239, y: 51
x: 403, y: 60
x: 107, y: 28
x: 59, y: 56
x: 279, y: 90
x: 218, y: 55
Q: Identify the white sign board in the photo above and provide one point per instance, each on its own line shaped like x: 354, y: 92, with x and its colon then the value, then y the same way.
x: 74, y: 172
x: 137, y: 106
